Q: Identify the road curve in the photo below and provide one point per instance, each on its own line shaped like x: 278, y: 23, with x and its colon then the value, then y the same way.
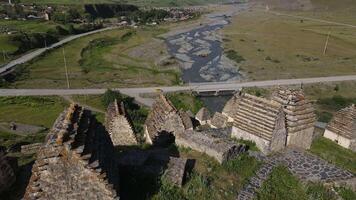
x: 29, y: 56
x: 198, y: 87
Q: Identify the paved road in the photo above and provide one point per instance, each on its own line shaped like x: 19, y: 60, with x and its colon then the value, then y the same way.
x: 29, y: 56
x: 197, y: 87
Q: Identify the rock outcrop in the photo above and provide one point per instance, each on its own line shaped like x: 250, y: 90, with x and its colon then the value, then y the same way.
x: 119, y: 125
x: 76, y: 161
x: 342, y: 128
x: 7, y: 172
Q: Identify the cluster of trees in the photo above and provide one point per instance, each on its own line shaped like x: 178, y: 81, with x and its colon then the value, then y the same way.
x: 109, y: 10
x: 143, y: 16
x: 26, y: 41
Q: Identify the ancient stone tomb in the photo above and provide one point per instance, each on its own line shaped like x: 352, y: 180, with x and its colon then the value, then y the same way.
x: 75, y: 161
x: 286, y: 119
x: 163, y: 122
x: 342, y: 128
x: 119, y: 126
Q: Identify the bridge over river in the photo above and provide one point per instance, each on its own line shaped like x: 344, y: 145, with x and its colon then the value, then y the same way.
x: 194, y: 87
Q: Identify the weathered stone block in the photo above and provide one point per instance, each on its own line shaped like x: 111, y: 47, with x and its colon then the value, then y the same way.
x: 219, y: 148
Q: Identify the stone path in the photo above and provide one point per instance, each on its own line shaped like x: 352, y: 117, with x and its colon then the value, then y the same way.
x: 305, y: 166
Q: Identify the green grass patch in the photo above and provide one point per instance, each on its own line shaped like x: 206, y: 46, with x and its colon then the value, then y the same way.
x: 41, y: 111
x: 330, y: 151
x: 346, y: 193
x: 281, y: 184
x: 336, y: 102
x: 211, y: 180
x: 92, y: 55
x: 233, y: 55
x: 185, y: 101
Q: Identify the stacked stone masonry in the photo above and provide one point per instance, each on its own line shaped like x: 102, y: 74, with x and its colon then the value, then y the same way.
x: 259, y: 120
x: 31, y: 148
x: 119, y: 126
x: 7, y: 173
x: 176, y: 170
x: 75, y: 161
x: 342, y: 128
x: 163, y: 122
x: 287, y: 119
x: 300, y: 117
x: 305, y: 166
x: 219, y: 148
x: 203, y: 116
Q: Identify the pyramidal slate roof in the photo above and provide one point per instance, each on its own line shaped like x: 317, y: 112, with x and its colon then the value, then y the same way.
x: 344, y: 122
x: 203, y: 114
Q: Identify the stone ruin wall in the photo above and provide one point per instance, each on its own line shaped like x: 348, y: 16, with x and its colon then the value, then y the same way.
x: 75, y: 162
x: 300, y: 117
x: 342, y: 128
x: 31, y: 148
x: 279, y: 135
x: 162, y: 121
x: 7, y: 173
x: 220, y: 149
x: 259, y: 120
x: 119, y: 125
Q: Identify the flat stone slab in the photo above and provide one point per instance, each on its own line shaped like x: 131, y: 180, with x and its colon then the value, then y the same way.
x: 21, y: 128
x: 176, y: 171
x: 305, y: 166
x: 312, y: 168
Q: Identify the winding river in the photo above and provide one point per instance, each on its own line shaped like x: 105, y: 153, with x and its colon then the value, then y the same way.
x: 200, y: 50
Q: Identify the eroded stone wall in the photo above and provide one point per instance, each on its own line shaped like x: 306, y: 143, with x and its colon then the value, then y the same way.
x: 163, y: 122
x: 119, y: 125
x: 76, y: 161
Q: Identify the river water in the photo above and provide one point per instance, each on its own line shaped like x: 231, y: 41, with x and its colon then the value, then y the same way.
x: 201, y: 54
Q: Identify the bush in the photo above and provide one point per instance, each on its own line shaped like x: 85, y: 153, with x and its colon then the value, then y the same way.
x: 110, y: 96
x: 233, y: 55
x: 337, y: 102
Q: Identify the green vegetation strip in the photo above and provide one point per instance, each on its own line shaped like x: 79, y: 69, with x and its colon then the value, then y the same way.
x: 330, y: 151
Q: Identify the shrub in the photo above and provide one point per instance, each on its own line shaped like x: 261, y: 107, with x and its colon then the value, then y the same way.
x: 110, y: 96
x: 233, y: 55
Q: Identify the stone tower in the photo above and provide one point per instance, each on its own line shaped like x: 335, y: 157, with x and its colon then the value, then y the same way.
x: 76, y: 161
x: 300, y: 117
